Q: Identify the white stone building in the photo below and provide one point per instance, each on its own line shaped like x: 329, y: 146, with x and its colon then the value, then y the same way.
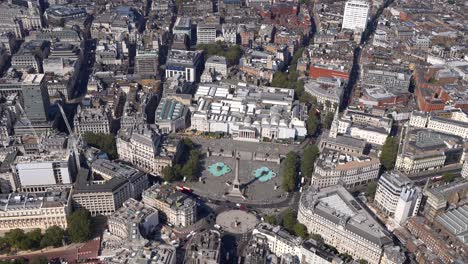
x: 333, y: 213
x: 333, y: 167
x: 133, y: 221
x: 356, y: 15
x: 35, y: 210
x: 139, y: 145
x: 249, y: 113
x: 93, y: 120
x: 179, y: 208
x: 397, y: 197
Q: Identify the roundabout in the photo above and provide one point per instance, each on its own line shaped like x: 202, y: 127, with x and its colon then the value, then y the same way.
x: 237, y: 221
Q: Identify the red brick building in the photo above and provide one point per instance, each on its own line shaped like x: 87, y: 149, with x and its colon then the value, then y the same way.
x: 317, y: 71
x: 433, y: 96
x: 433, y: 241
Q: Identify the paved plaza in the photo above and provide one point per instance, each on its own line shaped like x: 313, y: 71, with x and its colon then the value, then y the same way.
x: 255, y: 189
x: 237, y: 221
x: 228, y: 144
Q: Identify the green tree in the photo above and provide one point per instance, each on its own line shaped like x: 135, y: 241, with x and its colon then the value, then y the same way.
x: 104, y: 142
x: 448, y: 177
x: 300, y: 230
x: 192, y: 167
x: 79, y: 225
x: 290, y: 171
x: 53, y: 237
x: 308, y: 159
x: 233, y: 55
x: 363, y: 261
x: 328, y: 119
x: 15, y: 237
x: 371, y: 189
x: 271, y: 219
x: 5, y: 247
x: 389, y: 153
x: 289, y: 220
x: 312, y: 123
x: 34, y: 237
x: 39, y: 260
x: 169, y: 174
x: 280, y: 79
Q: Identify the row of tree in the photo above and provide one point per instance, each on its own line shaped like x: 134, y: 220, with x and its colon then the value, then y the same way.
x: 17, y: 239
x: 292, y: 163
x: 290, y: 169
x: 79, y: 230
x: 188, y: 165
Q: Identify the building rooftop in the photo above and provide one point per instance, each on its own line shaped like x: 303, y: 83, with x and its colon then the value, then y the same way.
x: 108, y: 168
x: 87, y: 182
x: 170, y: 109
x: 332, y: 159
x: 337, y: 205
x: 456, y: 222
x: 174, y: 198
x: 182, y: 56
x: 426, y: 142
x: 216, y: 59
x: 204, y: 247
x: 54, y: 197
x: 396, y: 178
x: 32, y: 79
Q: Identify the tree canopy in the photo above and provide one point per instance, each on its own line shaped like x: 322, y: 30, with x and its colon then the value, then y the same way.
x: 169, y: 174
x: 312, y: 123
x: 448, y: 177
x: 301, y: 230
x: 289, y: 220
x: 271, y: 219
x: 389, y: 153
x: 53, y: 237
x: 371, y: 189
x: 79, y: 226
x: 187, y: 166
x: 104, y: 142
x: 311, y: 153
x: 33, y: 240
x: 328, y: 120
x: 290, y: 171
x: 232, y: 53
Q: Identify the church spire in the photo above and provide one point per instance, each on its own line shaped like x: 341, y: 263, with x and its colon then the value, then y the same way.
x: 334, y: 126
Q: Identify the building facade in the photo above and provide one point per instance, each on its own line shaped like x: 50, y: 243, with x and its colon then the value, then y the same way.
x: 355, y: 16
x: 333, y: 167
x: 35, y: 97
x: 101, y: 196
x: 185, y: 63
x: 397, y: 197
x: 336, y: 216
x: 180, y: 210
x: 133, y: 221
x: 35, y: 210
x: 140, y: 145
x: 92, y: 120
